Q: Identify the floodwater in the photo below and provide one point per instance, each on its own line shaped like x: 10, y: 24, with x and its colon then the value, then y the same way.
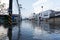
x: 30, y: 30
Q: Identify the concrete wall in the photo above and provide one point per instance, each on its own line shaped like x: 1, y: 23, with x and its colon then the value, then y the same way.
x: 56, y: 20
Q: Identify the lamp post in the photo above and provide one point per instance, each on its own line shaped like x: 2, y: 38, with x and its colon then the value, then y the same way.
x: 42, y: 8
x: 42, y: 11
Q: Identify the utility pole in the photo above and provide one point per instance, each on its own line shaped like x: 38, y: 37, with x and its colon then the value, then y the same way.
x: 10, y: 14
x: 19, y: 9
x: 20, y: 18
x: 10, y: 6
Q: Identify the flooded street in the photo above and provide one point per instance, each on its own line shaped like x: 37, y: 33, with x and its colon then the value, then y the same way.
x: 28, y: 30
x: 29, y: 20
x: 3, y: 32
x: 36, y: 31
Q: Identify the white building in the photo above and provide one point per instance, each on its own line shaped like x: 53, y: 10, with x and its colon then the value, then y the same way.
x: 46, y: 14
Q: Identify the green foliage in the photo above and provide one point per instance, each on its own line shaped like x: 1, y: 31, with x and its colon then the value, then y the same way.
x: 6, y: 19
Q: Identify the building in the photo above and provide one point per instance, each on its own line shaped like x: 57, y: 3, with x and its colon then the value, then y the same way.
x: 15, y: 18
x: 55, y: 17
x: 46, y: 14
x: 49, y: 15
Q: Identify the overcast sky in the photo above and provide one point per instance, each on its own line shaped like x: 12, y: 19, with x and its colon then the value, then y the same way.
x: 47, y: 5
x: 31, y: 6
x: 27, y: 9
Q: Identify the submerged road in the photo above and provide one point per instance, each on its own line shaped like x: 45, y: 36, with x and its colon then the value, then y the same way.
x: 28, y: 30
x: 36, y: 31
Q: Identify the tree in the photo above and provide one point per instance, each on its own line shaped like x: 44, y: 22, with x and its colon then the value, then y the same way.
x: 3, y: 9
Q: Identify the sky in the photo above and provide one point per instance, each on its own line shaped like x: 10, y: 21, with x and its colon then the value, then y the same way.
x: 47, y: 5
x: 27, y: 8
x: 34, y: 6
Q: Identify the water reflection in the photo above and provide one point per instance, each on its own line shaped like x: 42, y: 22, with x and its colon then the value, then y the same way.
x: 28, y: 30
x: 3, y: 32
x: 16, y: 32
x: 47, y: 31
x: 33, y: 30
x: 10, y: 33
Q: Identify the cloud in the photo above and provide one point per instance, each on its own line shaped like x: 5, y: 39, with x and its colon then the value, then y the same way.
x: 47, y: 5
x: 37, y: 5
x: 39, y: 2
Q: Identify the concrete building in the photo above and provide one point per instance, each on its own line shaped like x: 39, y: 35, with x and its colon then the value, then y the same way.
x: 48, y: 15
x: 35, y: 17
x: 43, y: 15
x: 55, y: 17
x: 15, y: 18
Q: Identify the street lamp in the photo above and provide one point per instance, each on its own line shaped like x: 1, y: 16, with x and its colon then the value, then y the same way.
x: 42, y: 8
